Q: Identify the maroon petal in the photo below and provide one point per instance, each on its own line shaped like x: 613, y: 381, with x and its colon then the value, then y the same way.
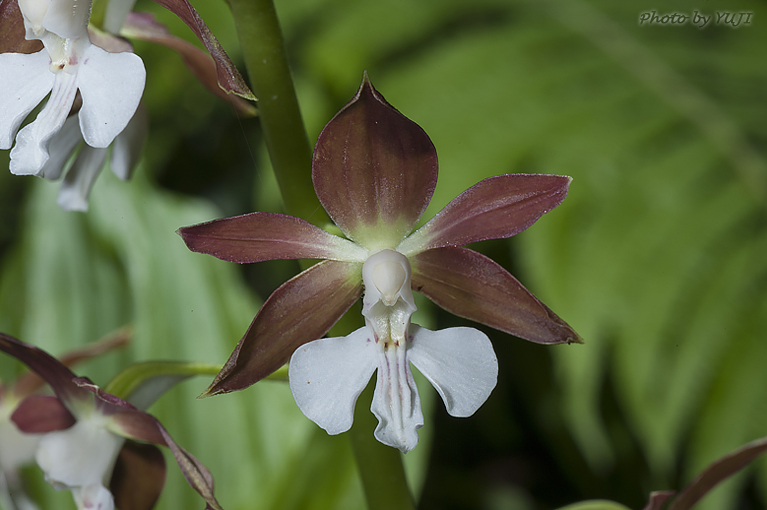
x: 58, y: 376
x: 39, y: 414
x: 658, y: 499
x: 105, y: 403
x: 138, y: 476
x: 136, y: 425
x: 266, y: 236
x: 303, y: 309
x: 229, y: 77
x: 144, y: 26
x: 717, y: 472
x: 144, y: 427
x: 497, y: 207
x: 374, y: 170
x: 470, y: 285
x: 12, y: 30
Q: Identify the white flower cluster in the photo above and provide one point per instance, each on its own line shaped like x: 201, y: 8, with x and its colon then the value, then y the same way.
x: 110, y: 86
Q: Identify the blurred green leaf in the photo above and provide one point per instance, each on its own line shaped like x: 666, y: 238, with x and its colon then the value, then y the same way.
x: 85, y: 274
x: 656, y: 257
x: 596, y: 504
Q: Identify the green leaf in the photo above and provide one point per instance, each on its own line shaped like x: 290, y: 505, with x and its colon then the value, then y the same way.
x: 143, y: 383
x: 595, y: 504
x: 656, y: 257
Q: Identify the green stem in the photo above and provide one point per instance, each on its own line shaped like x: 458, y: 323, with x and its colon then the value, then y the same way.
x: 291, y: 155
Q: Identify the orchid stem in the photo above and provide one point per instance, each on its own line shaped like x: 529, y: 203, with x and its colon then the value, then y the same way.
x: 289, y: 151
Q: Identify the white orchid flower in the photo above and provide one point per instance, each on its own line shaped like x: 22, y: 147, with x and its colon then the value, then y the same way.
x: 81, y: 459
x: 89, y: 431
x: 327, y: 375
x: 374, y: 172
x: 110, y: 84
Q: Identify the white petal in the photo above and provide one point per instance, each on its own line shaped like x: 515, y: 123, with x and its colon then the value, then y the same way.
x: 16, y: 448
x: 93, y: 497
x: 24, y: 80
x: 388, y: 301
x: 389, y: 270
x: 111, y: 85
x: 30, y: 153
x: 33, y: 12
x: 80, y: 456
x: 396, y: 403
x: 60, y: 148
x: 459, y: 362
x: 68, y: 18
x: 327, y: 376
x: 126, y: 149
x: 77, y: 185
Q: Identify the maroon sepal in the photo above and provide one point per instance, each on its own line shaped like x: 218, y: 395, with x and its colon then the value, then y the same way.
x: 144, y: 26
x: 301, y: 310
x: 471, y: 285
x: 30, y: 382
x: 229, y: 77
x: 374, y: 166
x: 38, y: 414
x: 261, y: 236
x: 138, y: 476
x: 497, y: 207
x: 717, y: 472
x: 12, y: 30
x: 58, y: 376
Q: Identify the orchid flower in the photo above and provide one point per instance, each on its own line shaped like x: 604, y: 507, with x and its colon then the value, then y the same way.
x: 18, y: 448
x: 89, y: 444
x: 113, y: 83
x: 110, y: 84
x: 374, y: 172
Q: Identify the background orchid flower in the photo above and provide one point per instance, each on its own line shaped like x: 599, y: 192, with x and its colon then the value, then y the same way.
x: 57, y: 139
x: 17, y: 448
x: 89, y: 443
x: 110, y: 84
x: 374, y: 172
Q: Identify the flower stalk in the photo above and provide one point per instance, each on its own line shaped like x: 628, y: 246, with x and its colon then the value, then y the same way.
x: 289, y: 150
